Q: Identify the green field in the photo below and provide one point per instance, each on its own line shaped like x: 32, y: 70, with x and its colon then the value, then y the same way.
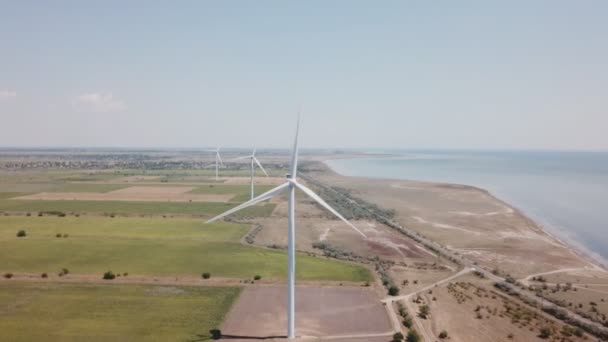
x: 151, y: 247
x: 70, y: 312
x: 206, y: 209
x: 87, y: 187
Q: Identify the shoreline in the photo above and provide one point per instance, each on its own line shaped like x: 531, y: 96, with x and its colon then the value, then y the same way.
x: 578, y: 249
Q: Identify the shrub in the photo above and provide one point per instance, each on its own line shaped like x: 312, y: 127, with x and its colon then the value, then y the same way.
x: 397, y: 337
x: 65, y: 235
x: 424, y: 311
x: 412, y: 336
x: 28, y: 214
x: 407, y: 322
x: 21, y: 233
x: 206, y: 275
x: 125, y: 274
x: 393, y: 291
x: 257, y: 277
x: 8, y: 275
x: 58, y: 235
x: 443, y: 334
x: 109, y: 275
x: 545, y: 332
x: 64, y: 271
x: 216, y: 334
x: 44, y: 275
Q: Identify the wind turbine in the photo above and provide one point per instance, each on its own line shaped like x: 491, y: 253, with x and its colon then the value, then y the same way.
x: 218, y: 161
x: 253, y: 159
x: 290, y: 185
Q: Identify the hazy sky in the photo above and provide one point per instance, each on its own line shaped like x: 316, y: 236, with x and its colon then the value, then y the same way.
x: 406, y: 74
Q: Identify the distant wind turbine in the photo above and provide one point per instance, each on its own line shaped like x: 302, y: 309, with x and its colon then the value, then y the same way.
x: 290, y: 185
x: 218, y: 161
x: 252, y: 160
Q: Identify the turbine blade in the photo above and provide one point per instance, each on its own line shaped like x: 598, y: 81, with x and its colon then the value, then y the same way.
x: 253, y: 154
x: 260, y: 165
x: 240, y: 158
x: 326, y: 206
x: 293, y: 169
x: 254, y: 201
x: 219, y: 157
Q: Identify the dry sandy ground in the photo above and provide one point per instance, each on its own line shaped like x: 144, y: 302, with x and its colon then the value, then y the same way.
x: 134, y: 193
x: 455, y: 310
x: 467, y: 220
x: 320, y: 311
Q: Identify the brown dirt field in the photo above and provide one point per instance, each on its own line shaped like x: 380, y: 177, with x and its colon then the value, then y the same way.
x: 134, y: 193
x: 417, y: 278
x: 467, y: 220
x: 578, y: 277
x: 455, y: 311
x: 259, y: 180
x: 320, y: 311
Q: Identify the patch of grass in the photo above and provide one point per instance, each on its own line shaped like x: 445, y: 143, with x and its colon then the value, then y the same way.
x: 71, y: 312
x: 5, y: 195
x: 242, y: 192
x: 87, y: 187
x: 122, y: 207
x: 153, y: 247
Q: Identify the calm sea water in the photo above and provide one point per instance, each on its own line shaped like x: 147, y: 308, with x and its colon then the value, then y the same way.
x: 566, y: 192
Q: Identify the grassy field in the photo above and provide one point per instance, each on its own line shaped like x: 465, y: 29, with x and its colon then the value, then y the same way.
x: 242, y: 192
x: 151, y: 247
x: 67, y: 312
x: 87, y: 187
x: 206, y: 209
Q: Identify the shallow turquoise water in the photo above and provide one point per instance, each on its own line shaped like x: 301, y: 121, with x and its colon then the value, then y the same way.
x: 567, y: 192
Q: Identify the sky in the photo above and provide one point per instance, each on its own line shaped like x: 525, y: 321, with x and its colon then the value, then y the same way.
x: 365, y: 74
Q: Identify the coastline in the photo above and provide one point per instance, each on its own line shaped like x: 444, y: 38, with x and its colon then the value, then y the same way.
x: 575, y: 247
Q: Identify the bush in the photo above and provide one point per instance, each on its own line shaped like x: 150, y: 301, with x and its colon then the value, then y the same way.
x: 125, y: 274
x: 216, y: 334
x: 397, y: 337
x: 44, y: 275
x: 424, y: 311
x: 412, y: 336
x: 58, y: 235
x: 65, y: 235
x: 407, y: 322
x: 545, y: 332
x: 64, y: 271
x: 257, y: 277
x: 8, y: 275
x: 443, y: 334
x: 393, y: 291
x: 21, y: 233
x: 109, y: 275
x: 206, y: 275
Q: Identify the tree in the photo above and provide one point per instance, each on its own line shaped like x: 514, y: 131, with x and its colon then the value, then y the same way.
x: 257, y: 277
x: 397, y: 337
x: 109, y: 275
x: 393, y: 291
x: 21, y: 233
x: 206, y: 275
x: 424, y: 311
x: 443, y: 334
x: 412, y: 336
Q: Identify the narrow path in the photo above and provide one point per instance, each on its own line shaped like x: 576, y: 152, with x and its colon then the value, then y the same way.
x: 527, y: 279
x: 428, y: 287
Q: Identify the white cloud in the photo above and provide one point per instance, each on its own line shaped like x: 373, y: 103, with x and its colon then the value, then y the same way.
x: 7, y: 94
x: 102, y: 102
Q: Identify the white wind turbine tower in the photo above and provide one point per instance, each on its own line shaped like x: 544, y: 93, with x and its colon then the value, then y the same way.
x: 218, y: 162
x: 290, y: 185
x: 252, y: 160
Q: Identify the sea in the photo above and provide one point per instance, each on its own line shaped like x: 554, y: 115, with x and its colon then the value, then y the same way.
x: 565, y: 192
